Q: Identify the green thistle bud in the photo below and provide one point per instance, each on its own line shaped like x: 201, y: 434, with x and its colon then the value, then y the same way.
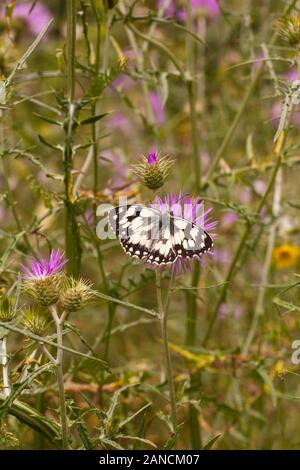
x: 153, y: 171
x: 7, y: 310
x: 289, y: 29
x: 36, y: 320
x: 75, y: 294
x: 44, y: 291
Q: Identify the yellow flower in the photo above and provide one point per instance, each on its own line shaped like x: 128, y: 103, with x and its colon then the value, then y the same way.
x: 285, y: 255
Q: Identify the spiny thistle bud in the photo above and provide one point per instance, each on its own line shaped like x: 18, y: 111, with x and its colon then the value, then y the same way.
x: 75, y: 294
x: 7, y: 310
x: 36, y: 320
x: 44, y: 291
x: 43, y: 279
x: 153, y: 170
x: 289, y: 29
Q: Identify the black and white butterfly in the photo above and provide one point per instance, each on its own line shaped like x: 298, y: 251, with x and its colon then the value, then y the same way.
x: 157, y: 237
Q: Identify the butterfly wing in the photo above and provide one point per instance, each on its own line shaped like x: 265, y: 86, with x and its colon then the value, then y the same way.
x: 155, y: 237
x: 188, y: 239
x: 137, y: 228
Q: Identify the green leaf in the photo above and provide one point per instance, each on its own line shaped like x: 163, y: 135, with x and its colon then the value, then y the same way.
x: 211, y: 442
x: 268, y: 381
x: 81, y: 428
x: 130, y: 418
x: 53, y: 147
x: 286, y: 305
x: 35, y: 420
x: 47, y: 119
x: 93, y: 119
x: 18, y: 388
x: 111, y: 443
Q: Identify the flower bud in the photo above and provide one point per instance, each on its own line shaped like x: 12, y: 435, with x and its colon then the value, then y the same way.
x: 153, y: 170
x: 75, y: 294
x: 36, y: 320
x: 44, y: 291
x: 289, y: 29
x: 7, y: 310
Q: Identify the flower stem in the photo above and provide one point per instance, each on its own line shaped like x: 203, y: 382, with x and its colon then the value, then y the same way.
x: 164, y: 331
x: 4, y: 363
x: 59, y: 323
x: 192, y: 97
x: 72, y: 236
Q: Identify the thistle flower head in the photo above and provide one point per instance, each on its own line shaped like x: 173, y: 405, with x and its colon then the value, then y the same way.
x: 42, y: 279
x: 153, y: 171
x: 289, y: 29
x: 36, y: 320
x: 189, y: 208
x: 75, y: 294
x: 42, y: 268
x: 7, y: 310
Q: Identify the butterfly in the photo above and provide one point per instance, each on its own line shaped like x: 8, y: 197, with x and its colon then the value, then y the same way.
x: 157, y: 237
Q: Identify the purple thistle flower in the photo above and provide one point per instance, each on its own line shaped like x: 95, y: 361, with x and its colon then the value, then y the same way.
x: 190, y: 208
x: 36, y: 17
x: 42, y: 268
x: 152, y: 158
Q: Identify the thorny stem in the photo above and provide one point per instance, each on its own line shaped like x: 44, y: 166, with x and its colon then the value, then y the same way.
x: 72, y: 238
x: 71, y: 41
x: 164, y: 331
x: 59, y: 324
x: 4, y: 363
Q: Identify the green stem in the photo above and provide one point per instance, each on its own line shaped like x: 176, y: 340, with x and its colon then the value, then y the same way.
x: 71, y: 41
x: 59, y: 323
x: 192, y: 98
x: 164, y: 331
x: 4, y: 363
x: 72, y: 236
x: 94, y: 106
x: 191, y: 321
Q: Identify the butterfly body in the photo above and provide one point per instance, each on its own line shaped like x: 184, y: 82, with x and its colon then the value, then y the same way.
x: 157, y: 237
